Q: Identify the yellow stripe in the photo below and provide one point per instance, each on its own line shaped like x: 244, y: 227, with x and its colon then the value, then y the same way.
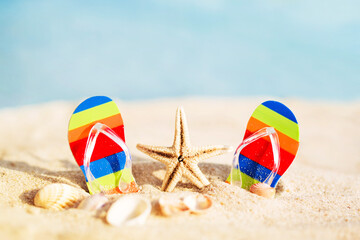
x: 93, y: 114
x: 234, y: 175
x: 278, y: 121
x: 111, y: 180
x: 237, y: 176
x: 247, y: 181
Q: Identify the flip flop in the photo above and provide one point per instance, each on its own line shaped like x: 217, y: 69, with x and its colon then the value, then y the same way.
x: 97, y: 141
x: 269, y: 147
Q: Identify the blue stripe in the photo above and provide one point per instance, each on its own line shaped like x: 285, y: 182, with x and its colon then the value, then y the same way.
x: 255, y: 170
x: 280, y: 109
x: 92, y: 102
x: 107, y: 165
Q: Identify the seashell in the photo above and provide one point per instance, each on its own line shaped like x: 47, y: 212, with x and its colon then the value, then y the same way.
x: 263, y: 189
x: 94, y: 202
x: 128, y: 210
x: 58, y: 196
x: 198, y: 204
x: 170, y: 206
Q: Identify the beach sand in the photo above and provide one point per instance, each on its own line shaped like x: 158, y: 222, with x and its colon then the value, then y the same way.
x: 321, y: 189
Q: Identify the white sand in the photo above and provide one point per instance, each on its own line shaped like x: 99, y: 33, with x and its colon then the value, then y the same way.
x: 321, y: 197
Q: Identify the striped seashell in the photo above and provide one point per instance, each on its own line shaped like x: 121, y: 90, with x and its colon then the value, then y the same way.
x: 94, y: 202
x: 198, y: 204
x: 58, y: 196
x: 263, y: 189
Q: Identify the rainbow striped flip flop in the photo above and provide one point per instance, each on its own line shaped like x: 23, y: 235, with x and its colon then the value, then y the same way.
x: 97, y: 141
x: 255, y: 162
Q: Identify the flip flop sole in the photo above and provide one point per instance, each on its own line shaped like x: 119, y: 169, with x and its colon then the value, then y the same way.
x: 108, y: 159
x: 256, y: 160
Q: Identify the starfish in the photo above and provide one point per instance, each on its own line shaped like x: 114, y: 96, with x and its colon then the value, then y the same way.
x: 181, y: 159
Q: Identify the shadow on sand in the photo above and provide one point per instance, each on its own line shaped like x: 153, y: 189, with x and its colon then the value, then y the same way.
x: 143, y: 170
x: 71, y: 177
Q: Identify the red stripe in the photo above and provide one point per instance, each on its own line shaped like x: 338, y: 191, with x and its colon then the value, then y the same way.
x: 261, y: 152
x: 104, y: 147
x: 286, y: 142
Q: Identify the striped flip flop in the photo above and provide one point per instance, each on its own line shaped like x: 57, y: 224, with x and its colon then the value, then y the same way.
x: 97, y: 141
x: 265, y: 154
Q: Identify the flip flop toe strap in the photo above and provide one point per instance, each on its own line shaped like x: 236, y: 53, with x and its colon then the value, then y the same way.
x: 98, y: 128
x: 274, y: 139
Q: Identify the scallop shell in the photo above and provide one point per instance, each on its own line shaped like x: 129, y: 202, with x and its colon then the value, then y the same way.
x: 58, y: 196
x: 170, y: 206
x: 128, y: 210
x: 263, y: 189
x: 94, y: 202
x: 198, y: 204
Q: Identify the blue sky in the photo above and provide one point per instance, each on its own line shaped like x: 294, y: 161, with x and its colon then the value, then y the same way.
x: 69, y: 50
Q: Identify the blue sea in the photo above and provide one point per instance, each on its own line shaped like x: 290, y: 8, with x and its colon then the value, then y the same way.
x: 133, y: 50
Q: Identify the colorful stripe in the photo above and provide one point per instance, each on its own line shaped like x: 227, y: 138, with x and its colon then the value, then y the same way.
x: 93, y: 114
x: 104, y: 147
x: 111, y: 181
x: 255, y: 171
x: 280, y: 109
x: 237, y: 176
x: 247, y: 181
x: 92, y: 102
x: 288, y: 144
x: 262, y: 153
x: 277, y: 121
x: 83, y: 132
x: 107, y: 165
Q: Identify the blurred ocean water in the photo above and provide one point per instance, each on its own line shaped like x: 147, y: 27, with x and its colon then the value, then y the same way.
x: 68, y: 50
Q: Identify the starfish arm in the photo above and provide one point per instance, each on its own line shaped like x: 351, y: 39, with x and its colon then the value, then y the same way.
x: 174, y: 172
x: 194, y: 174
x: 181, y: 139
x: 162, y: 154
x: 201, y: 153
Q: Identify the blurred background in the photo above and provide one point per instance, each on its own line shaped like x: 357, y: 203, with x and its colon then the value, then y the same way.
x: 134, y: 50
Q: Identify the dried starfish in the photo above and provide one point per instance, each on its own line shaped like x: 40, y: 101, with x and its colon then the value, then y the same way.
x: 181, y: 159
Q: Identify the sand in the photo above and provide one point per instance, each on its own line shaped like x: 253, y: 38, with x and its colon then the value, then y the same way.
x: 321, y: 189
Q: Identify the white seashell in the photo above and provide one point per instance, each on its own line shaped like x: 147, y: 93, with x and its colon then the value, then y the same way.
x: 94, y: 202
x: 58, y: 196
x: 170, y: 206
x: 263, y: 189
x: 128, y: 210
x: 198, y: 204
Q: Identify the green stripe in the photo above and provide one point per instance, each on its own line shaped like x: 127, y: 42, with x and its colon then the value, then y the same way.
x: 235, y: 175
x: 111, y: 181
x: 278, y: 121
x: 246, y: 180
x: 93, y: 114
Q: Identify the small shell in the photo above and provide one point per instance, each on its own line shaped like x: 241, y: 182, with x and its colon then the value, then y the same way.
x: 198, y: 204
x: 170, y: 206
x: 58, y: 196
x: 128, y: 210
x: 262, y: 189
x: 94, y: 202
